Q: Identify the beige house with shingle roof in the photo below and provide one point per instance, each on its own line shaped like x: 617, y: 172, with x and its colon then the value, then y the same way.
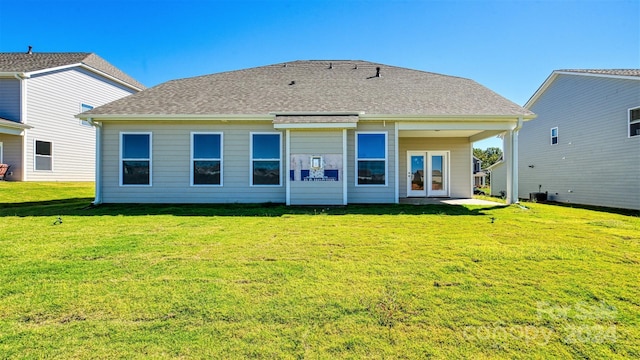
x: 303, y: 132
x: 39, y: 95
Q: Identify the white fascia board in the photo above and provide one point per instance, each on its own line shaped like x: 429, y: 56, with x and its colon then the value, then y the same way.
x: 495, y: 165
x: 81, y: 65
x: 316, y: 113
x: 448, y: 118
x: 10, y: 74
x: 540, y: 90
x: 174, y: 117
x: 316, y: 126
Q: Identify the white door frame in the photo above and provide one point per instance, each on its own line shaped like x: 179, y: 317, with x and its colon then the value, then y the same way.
x: 445, y: 173
x: 410, y: 191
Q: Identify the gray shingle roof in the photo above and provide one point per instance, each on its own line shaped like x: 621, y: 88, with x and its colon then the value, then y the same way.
x: 24, y: 62
x: 317, y: 86
x: 615, y: 72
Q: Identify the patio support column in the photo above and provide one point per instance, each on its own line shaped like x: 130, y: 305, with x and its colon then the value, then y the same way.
x: 508, y: 158
x: 287, y: 166
x: 510, y: 144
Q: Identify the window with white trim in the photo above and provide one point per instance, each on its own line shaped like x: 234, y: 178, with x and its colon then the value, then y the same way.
x: 135, y: 158
x: 554, y: 135
x: 206, y: 158
x: 266, y: 155
x: 83, y: 108
x: 634, y: 122
x: 371, y: 158
x: 43, y: 156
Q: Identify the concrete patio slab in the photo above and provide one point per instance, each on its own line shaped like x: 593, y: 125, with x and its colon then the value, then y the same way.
x: 448, y: 201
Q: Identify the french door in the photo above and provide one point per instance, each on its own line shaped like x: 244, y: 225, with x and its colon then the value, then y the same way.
x: 427, y: 173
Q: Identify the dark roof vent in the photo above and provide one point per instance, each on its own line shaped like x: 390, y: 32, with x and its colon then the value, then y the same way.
x: 293, y: 82
x: 30, y: 51
x: 378, y: 71
x: 355, y: 67
x: 285, y: 65
x: 330, y: 65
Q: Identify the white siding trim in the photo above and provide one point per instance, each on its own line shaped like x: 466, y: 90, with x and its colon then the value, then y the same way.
x: 386, y: 158
x: 122, y: 133
x: 35, y: 155
x: 251, y: 156
x: 396, y: 161
x: 287, y: 176
x: 551, y: 136
x: 191, y: 158
x: 344, y: 168
x: 1, y: 153
x: 629, y: 122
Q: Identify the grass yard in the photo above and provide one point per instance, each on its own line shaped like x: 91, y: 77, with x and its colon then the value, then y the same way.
x: 252, y: 281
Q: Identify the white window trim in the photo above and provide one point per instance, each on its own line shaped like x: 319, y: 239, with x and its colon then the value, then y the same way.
x: 221, y: 159
x: 251, y: 157
x: 89, y: 107
x: 1, y: 153
x: 629, y: 122
x: 150, y: 159
x: 35, y: 155
x: 551, y: 136
x: 386, y: 157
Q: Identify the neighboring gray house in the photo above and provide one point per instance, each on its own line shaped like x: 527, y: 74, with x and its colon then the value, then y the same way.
x: 584, y: 147
x: 479, y: 176
x: 304, y: 132
x: 39, y: 95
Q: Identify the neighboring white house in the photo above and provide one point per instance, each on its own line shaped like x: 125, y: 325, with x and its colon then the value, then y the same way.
x: 304, y: 132
x: 584, y: 147
x: 40, y: 93
x: 498, y: 176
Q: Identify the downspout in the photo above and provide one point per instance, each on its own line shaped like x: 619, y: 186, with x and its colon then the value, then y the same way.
x: 98, y: 126
x: 514, y: 152
x: 23, y: 119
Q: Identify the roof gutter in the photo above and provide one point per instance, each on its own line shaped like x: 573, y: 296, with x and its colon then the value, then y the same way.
x: 435, y: 118
x: 170, y: 117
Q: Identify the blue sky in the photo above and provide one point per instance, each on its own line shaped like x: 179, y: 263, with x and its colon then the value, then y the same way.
x: 509, y: 46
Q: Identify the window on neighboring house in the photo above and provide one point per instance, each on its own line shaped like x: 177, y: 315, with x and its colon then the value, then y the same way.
x: 554, y: 136
x: 371, y: 158
x: 135, y: 158
x: 265, y: 158
x: 206, y: 158
x: 634, y: 122
x: 83, y: 108
x: 43, y: 156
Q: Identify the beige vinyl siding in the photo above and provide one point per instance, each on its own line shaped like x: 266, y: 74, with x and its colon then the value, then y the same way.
x: 595, y: 162
x: 373, y: 194
x: 460, y: 162
x: 10, y: 99
x: 171, y: 164
x: 12, y: 155
x: 53, y: 99
x: 320, y: 142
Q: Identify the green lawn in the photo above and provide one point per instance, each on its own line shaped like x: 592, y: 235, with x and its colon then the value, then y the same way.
x: 267, y: 281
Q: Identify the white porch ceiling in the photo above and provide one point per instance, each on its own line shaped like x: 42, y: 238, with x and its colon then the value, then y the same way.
x: 438, y: 133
